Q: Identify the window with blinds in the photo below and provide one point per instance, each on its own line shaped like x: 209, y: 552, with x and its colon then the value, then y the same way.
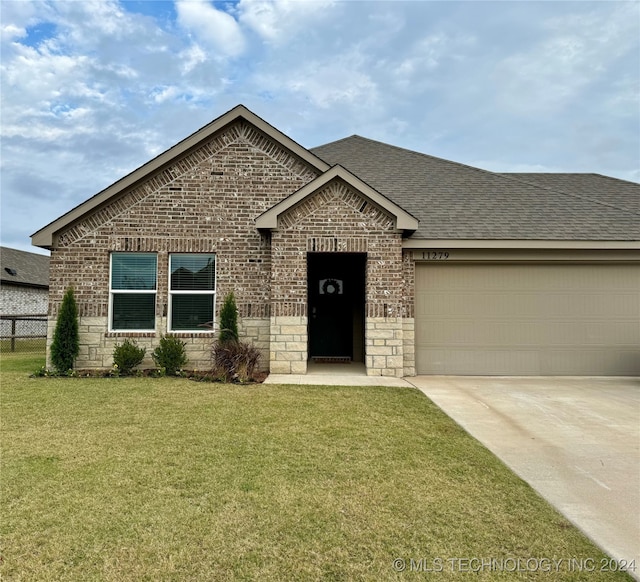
x: 132, y: 291
x: 192, y: 288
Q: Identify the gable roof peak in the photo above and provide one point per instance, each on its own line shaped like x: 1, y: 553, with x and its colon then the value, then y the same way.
x: 46, y: 236
x: 404, y: 220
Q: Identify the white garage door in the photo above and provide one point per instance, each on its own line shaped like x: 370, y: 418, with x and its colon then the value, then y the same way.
x: 535, y: 319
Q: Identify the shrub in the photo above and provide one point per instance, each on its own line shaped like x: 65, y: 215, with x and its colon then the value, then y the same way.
x: 234, y: 361
x: 127, y: 355
x: 66, y: 341
x: 170, y: 355
x: 229, y: 319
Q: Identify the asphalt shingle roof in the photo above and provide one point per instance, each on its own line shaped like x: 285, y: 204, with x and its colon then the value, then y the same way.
x: 30, y: 269
x: 455, y: 201
x: 589, y: 186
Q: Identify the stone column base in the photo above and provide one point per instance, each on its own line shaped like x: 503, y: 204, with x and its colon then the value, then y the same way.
x: 288, y: 345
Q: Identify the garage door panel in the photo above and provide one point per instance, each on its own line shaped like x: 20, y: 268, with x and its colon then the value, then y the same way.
x: 528, y: 319
x: 469, y: 361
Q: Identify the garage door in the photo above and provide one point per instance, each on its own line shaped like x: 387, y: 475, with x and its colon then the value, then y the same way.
x: 535, y: 319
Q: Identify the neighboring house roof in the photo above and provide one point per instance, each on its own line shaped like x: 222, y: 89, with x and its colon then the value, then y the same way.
x: 454, y: 201
x: 45, y: 236
x: 23, y: 268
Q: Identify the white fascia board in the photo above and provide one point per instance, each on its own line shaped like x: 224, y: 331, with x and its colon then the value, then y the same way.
x: 419, y: 244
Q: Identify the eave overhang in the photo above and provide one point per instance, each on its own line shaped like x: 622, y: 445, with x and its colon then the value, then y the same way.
x: 404, y: 221
x: 425, y: 244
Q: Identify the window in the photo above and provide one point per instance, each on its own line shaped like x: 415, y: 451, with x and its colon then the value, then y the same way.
x: 132, y: 293
x: 192, y: 289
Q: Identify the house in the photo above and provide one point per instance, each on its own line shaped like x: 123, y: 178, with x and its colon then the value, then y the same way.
x: 24, y: 293
x: 24, y: 282
x: 355, y: 251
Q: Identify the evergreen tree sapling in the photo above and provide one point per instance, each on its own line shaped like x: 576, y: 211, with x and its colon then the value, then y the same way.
x: 66, y: 341
x: 229, y: 319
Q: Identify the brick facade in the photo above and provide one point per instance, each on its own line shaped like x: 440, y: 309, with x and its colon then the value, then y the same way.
x: 336, y: 219
x: 207, y: 202
x: 19, y: 300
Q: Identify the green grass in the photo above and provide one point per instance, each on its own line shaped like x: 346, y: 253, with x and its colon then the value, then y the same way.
x: 34, y: 345
x: 21, y: 363
x: 168, y: 479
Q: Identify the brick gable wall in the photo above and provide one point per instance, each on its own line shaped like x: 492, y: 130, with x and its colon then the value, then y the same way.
x: 338, y: 219
x: 205, y: 202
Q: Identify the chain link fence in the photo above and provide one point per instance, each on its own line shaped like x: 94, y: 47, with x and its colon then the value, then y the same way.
x: 23, y: 333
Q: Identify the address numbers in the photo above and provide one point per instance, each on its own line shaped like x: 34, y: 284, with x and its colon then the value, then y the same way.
x: 435, y: 255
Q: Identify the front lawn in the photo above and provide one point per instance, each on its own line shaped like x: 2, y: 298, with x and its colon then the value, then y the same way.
x: 169, y: 479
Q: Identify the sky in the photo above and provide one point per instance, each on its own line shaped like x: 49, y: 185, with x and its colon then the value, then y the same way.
x: 93, y: 89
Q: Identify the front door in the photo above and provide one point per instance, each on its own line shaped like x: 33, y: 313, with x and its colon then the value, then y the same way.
x: 336, y: 283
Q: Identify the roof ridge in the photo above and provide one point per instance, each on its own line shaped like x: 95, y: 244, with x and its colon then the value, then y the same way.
x: 572, y: 194
x: 336, y: 141
x: 614, y: 178
x: 500, y: 175
x: 395, y: 147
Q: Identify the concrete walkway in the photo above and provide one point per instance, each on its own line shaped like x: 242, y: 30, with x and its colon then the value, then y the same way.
x: 575, y: 440
x: 348, y: 374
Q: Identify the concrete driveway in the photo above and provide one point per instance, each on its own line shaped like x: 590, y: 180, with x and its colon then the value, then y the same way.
x: 575, y: 440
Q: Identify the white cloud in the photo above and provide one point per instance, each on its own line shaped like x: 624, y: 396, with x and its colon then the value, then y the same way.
x: 11, y: 32
x: 91, y: 90
x: 18, y: 16
x: 84, y: 23
x: 191, y: 58
x: 577, y: 50
x: 280, y: 20
x: 213, y: 27
x: 327, y: 83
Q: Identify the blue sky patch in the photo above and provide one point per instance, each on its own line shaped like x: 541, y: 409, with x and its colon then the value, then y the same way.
x: 38, y: 33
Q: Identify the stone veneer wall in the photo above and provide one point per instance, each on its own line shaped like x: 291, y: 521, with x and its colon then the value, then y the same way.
x: 409, y: 346
x: 384, y: 346
x: 288, y: 348
x: 205, y: 202
x: 338, y: 219
x: 96, y: 349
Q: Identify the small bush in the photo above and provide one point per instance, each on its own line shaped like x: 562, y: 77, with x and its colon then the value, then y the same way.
x: 170, y: 355
x: 66, y: 338
x: 229, y: 319
x: 234, y: 361
x: 127, y: 355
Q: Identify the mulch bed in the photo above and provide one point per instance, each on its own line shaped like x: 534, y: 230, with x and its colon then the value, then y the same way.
x: 195, y: 375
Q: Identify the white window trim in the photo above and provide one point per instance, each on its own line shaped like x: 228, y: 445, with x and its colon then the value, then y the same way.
x: 113, y: 292
x: 195, y: 292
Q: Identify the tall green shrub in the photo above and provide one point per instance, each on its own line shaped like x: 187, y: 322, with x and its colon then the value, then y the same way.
x: 66, y: 340
x: 229, y: 319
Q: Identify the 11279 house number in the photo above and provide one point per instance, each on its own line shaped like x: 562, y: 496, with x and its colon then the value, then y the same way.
x: 435, y: 255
